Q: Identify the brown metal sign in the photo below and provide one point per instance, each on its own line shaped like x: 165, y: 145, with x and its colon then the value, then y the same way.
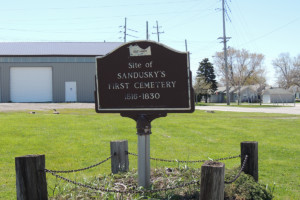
x: 144, y: 76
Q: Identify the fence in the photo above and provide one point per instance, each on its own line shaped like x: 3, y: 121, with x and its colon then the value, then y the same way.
x: 31, y: 172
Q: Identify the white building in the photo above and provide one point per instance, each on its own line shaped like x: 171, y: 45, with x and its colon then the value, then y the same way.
x: 295, y: 89
x: 278, y: 95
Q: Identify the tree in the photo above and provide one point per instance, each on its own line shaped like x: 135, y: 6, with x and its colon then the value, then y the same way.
x: 206, y: 83
x: 243, y: 68
x: 288, y: 70
x: 200, y: 87
x: 296, y: 63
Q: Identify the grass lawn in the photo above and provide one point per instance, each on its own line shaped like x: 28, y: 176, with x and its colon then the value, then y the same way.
x: 79, y: 138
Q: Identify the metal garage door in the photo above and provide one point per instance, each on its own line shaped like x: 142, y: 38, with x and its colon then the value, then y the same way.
x: 31, y: 84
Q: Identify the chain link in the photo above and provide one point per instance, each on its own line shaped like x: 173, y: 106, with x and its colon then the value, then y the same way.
x: 123, y: 191
x: 132, y: 191
x: 80, y: 184
x: 227, y: 158
x: 238, y: 175
x: 186, y: 161
x: 77, y: 170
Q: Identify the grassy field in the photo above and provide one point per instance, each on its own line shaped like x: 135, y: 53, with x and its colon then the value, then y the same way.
x: 79, y: 138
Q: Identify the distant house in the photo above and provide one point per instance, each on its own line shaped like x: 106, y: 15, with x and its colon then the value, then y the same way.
x: 295, y: 89
x: 278, y: 95
x: 218, y: 96
x: 249, y: 93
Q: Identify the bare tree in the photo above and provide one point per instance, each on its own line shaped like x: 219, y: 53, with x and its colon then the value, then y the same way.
x: 201, y: 86
x: 296, y: 64
x: 288, y: 70
x: 284, y: 69
x: 243, y: 67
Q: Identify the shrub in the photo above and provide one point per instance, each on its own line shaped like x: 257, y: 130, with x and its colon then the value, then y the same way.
x: 245, y: 188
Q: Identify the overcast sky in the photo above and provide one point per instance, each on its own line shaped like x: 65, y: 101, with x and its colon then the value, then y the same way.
x: 269, y: 27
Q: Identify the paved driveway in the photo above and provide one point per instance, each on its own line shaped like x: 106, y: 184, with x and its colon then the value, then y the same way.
x: 295, y: 110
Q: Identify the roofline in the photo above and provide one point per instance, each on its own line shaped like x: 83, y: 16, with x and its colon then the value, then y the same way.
x: 58, y: 42
x: 51, y: 55
x: 93, y: 49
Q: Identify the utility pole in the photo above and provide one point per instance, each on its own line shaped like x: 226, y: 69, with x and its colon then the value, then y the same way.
x: 125, y: 31
x: 147, y: 34
x: 224, y: 38
x: 157, y: 30
x: 186, y: 49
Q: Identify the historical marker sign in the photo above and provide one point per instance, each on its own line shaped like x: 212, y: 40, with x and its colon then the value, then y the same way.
x: 144, y: 76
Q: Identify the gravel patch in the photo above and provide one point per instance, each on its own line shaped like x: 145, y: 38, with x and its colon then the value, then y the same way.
x: 6, y: 107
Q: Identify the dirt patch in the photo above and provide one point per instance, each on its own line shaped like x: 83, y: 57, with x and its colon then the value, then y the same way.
x: 7, y: 107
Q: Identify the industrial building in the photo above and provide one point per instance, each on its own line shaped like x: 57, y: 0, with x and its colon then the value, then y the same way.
x: 50, y: 71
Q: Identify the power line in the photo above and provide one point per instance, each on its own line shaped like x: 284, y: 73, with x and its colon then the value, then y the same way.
x: 269, y: 33
x: 95, y: 7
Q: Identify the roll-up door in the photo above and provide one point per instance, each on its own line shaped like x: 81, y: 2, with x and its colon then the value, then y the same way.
x: 31, y: 84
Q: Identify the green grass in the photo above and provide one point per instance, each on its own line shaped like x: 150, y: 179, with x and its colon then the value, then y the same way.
x: 79, y: 138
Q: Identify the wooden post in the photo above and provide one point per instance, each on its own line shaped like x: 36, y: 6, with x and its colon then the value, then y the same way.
x: 119, y: 159
x: 251, y: 167
x: 212, y: 181
x: 31, y: 177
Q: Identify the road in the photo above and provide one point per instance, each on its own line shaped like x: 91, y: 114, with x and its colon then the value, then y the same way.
x: 6, y: 107
x: 294, y: 110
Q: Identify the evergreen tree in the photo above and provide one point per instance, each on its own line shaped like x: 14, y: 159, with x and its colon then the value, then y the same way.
x: 206, y: 72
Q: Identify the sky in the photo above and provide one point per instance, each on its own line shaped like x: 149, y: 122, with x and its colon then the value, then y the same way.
x: 268, y: 27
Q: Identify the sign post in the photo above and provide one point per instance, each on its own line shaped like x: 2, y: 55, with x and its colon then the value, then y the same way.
x: 143, y: 131
x: 144, y: 80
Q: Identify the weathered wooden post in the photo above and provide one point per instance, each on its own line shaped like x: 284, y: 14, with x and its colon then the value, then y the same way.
x: 31, y: 178
x: 212, y: 181
x: 251, y: 167
x: 119, y: 159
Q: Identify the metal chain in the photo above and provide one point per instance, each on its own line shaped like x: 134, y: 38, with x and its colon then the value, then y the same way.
x: 238, y: 175
x: 186, y: 161
x: 77, y: 170
x: 123, y: 191
x: 227, y: 158
x: 80, y: 184
x: 53, y: 172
